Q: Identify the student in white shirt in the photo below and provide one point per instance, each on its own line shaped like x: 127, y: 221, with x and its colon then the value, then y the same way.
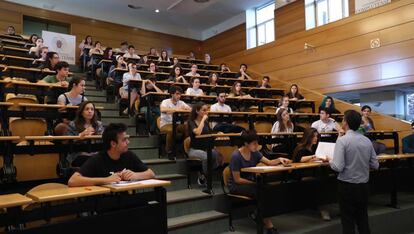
x: 124, y: 47
x: 131, y: 53
x: 193, y: 71
x: 207, y: 58
x: 220, y: 106
x: 195, y: 87
x: 325, y: 123
x: 282, y: 125
x: 164, y: 57
x: 168, y: 106
x: 123, y: 91
x: 284, y: 104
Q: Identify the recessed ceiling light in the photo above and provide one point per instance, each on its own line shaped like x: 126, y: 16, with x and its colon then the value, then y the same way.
x: 157, y: 10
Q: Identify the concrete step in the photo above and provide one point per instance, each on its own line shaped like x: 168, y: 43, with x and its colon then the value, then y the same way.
x: 143, y: 141
x: 207, y: 222
x: 117, y: 119
x: 107, y: 105
x: 146, y: 153
x: 91, y: 92
x: 188, y: 201
x: 165, y: 166
x: 96, y: 98
x: 109, y: 112
x: 178, y: 181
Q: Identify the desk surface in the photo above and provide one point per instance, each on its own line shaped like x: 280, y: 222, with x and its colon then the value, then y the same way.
x: 66, y: 193
x: 280, y: 168
x: 13, y: 200
x: 145, y: 184
x: 394, y: 156
x: 61, y: 138
x: 9, y: 138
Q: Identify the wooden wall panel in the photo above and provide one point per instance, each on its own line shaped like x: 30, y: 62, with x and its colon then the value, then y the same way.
x: 108, y: 33
x: 290, y: 19
x: 226, y: 43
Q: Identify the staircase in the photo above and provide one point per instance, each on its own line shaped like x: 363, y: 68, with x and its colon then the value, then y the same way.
x: 189, y: 210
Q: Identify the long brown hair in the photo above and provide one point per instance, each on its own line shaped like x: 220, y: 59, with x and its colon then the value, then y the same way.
x: 80, y: 121
x: 282, y: 127
x: 195, y: 109
x: 306, y: 142
x: 233, y: 88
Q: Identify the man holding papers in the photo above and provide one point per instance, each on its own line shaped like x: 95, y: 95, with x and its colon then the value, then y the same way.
x: 352, y: 159
x: 114, y: 164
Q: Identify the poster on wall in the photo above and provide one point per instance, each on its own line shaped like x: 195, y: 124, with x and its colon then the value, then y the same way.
x: 63, y: 44
x: 366, y: 5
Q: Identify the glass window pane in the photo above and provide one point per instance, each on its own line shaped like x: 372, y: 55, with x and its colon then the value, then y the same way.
x: 310, y: 16
x: 345, y: 4
x: 322, y: 12
x: 270, y: 31
x: 265, y: 13
x: 251, y: 38
x: 335, y: 10
x: 261, y: 34
x: 309, y: 1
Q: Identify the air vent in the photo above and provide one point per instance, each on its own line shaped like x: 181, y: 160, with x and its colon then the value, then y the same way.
x: 201, y: 1
x: 134, y: 7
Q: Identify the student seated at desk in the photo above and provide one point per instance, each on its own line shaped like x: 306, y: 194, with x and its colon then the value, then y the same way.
x: 113, y: 77
x: 284, y: 105
x: 152, y: 67
x: 325, y: 122
x: 168, y: 106
x: 85, y: 124
x: 144, y: 59
x: 97, y: 49
x: 61, y: 78
x: 124, y: 47
x: 282, y: 125
x: 265, y: 83
x: 195, y: 87
x: 243, y: 74
x: 294, y: 93
x: 213, y: 81
x: 164, y: 56
x: 32, y: 40
x: 305, y: 152
x: 175, y: 62
x: 408, y: 142
x: 220, y: 106
x: 236, y: 91
x: 75, y: 96
x: 115, y: 163
x: 224, y: 68
x: 35, y: 50
x: 176, y: 75
x: 52, y: 58
x: 191, y: 56
x: 132, y: 74
x: 42, y: 57
x: 86, y: 43
x: 193, y: 71
x: 107, y: 55
x: 10, y: 30
x: 131, y: 53
x: 198, y: 125
x: 248, y: 155
x: 367, y: 124
x: 329, y: 103
x: 207, y: 59
x: 149, y: 85
x: 153, y: 52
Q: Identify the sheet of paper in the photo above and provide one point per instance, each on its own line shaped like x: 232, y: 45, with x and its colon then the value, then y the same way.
x: 325, y: 149
x: 127, y: 183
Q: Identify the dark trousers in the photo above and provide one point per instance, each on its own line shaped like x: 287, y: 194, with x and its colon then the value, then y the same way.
x: 353, y: 202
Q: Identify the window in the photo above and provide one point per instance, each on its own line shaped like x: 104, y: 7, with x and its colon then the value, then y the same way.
x: 320, y: 12
x: 260, y: 26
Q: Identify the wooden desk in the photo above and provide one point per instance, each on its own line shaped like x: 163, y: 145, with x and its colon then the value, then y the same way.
x: 11, y: 60
x: 14, y: 200
x: 153, y: 183
x: 12, y: 37
x: 280, y: 168
x: 10, y: 50
x: 66, y: 193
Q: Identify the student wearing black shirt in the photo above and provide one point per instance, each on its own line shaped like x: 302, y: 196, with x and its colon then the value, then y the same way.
x: 305, y: 150
x: 294, y: 93
x: 115, y: 163
x: 243, y: 73
x: 198, y: 125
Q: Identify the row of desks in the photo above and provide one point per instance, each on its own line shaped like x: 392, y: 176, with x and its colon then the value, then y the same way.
x: 268, y: 198
x: 290, y: 140
x: 142, y: 209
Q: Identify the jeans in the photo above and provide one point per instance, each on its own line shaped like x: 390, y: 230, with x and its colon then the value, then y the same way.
x: 202, y: 155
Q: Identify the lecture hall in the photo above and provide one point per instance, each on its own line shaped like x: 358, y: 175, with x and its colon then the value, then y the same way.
x: 207, y: 116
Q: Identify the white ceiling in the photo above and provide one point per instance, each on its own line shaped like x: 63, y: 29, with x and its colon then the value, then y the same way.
x: 187, y: 18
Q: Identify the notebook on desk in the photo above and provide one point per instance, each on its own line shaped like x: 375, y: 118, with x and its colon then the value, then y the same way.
x: 127, y: 183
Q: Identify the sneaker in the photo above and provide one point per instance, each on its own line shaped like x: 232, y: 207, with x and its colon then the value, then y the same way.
x: 253, y: 216
x: 272, y: 230
x: 325, y: 215
x: 125, y: 112
x: 201, y: 181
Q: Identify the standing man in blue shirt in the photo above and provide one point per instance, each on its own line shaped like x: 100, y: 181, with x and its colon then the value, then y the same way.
x: 353, y: 156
